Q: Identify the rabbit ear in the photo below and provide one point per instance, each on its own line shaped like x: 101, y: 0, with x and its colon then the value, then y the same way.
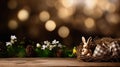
x: 89, y: 39
x: 83, y: 39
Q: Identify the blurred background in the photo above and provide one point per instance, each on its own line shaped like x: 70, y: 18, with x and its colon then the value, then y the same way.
x: 63, y: 20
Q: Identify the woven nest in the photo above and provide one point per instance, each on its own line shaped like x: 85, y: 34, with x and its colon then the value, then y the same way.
x: 80, y: 57
x: 95, y: 59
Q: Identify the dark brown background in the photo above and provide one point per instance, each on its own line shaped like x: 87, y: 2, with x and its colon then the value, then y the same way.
x: 76, y: 31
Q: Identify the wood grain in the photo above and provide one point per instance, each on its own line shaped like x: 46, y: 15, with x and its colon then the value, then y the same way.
x: 38, y: 62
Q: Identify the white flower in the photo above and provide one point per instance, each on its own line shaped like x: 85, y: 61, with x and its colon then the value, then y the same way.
x: 54, y: 45
x: 13, y: 37
x: 59, y: 45
x: 13, y: 41
x: 8, y: 43
x: 43, y: 47
x: 51, y: 47
x: 55, y: 42
x: 38, y: 45
x: 46, y: 42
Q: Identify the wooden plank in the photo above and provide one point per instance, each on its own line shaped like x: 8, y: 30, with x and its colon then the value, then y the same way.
x: 37, y: 62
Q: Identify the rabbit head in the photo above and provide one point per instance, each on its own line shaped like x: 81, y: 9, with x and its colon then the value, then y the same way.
x: 86, y: 43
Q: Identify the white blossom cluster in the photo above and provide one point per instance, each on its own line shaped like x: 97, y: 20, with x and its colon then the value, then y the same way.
x: 13, y: 39
x: 49, y: 45
x: 46, y: 44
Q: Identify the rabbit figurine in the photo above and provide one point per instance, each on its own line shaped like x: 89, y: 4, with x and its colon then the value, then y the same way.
x: 85, y: 50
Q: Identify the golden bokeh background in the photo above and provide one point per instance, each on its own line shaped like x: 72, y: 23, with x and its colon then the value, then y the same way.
x: 64, y: 20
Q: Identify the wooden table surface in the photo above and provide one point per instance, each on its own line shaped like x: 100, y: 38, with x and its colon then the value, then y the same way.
x: 38, y: 62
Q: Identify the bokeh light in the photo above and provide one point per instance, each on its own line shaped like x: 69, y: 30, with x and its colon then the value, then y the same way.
x: 113, y: 18
x: 23, y: 15
x: 95, y: 13
x: 44, y: 16
x: 12, y: 24
x: 50, y: 25
x: 12, y: 4
x: 89, y: 23
x: 50, y: 3
x: 65, y: 13
x: 63, y: 31
x: 68, y: 3
x: 111, y: 8
x: 90, y: 4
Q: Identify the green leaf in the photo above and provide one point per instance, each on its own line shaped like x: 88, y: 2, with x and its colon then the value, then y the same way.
x: 11, y: 51
x: 21, y: 53
x: 38, y: 52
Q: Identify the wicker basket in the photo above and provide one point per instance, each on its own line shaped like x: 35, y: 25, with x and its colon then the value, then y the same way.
x: 95, y: 59
x: 80, y: 57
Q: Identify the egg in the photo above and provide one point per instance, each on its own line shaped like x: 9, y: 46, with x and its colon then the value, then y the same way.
x: 88, y: 54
